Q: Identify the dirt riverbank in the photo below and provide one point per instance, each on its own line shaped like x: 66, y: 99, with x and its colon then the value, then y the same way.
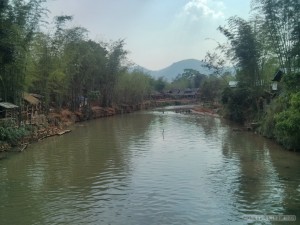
x: 57, y: 122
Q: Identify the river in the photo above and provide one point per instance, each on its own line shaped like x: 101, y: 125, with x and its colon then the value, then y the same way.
x: 150, y: 167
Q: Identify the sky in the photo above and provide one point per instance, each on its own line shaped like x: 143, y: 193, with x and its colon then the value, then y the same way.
x: 157, y: 33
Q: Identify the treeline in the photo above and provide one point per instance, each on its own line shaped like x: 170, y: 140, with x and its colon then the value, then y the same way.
x: 269, y: 41
x: 257, y: 49
x: 210, y: 87
x: 63, y: 65
x: 66, y: 67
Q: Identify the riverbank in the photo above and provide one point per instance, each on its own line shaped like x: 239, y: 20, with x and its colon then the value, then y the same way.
x: 57, y: 122
x: 214, y: 112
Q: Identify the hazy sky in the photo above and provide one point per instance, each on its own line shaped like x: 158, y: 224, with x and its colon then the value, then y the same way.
x: 157, y: 32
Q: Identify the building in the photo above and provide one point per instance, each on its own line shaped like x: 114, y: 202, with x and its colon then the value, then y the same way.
x: 156, y: 95
x: 31, y: 108
x: 190, y: 93
x: 277, y: 78
x: 8, y: 110
x: 233, y: 84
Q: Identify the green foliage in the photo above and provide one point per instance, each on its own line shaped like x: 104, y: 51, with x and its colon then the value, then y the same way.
x: 281, y: 22
x: 268, y: 41
x: 215, y: 62
x: 211, y: 88
x: 116, y: 58
x: 65, y: 66
x: 236, y: 103
x: 267, y: 126
x: 287, y: 124
x: 159, y: 84
x: 93, y: 95
x: 188, y: 79
x: 10, y: 133
x: 241, y: 103
x: 247, y: 53
x: 132, y: 88
x: 18, y: 22
x: 179, y: 83
x: 282, y: 121
x: 246, y: 50
x: 292, y: 82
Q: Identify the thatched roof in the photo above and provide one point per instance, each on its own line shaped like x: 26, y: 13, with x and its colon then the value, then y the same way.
x: 30, y: 99
x: 37, y: 96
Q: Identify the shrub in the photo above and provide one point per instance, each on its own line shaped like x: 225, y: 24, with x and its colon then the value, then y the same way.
x: 238, y: 102
x: 10, y: 133
x: 287, y: 124
x: 267, y: 126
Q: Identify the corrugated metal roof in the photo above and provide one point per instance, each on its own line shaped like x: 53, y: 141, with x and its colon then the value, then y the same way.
x: 233, y: 84
x: 278, y: 75
x: 8, y: 105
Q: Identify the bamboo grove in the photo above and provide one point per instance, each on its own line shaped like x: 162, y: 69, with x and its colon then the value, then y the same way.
x: 269, y: 41
x: 63, y: 64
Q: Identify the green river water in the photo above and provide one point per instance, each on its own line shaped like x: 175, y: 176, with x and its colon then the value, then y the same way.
x: 150, y: 168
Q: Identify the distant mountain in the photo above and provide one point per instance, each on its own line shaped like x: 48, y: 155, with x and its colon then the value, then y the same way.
x: 171, y: 72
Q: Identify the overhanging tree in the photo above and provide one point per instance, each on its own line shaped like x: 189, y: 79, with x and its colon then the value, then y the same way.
x: 19, y: 20
x: 246, y: 51
x: 282, y: 21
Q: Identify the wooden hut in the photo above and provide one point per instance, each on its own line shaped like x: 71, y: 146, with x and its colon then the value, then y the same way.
x: 8, y: 110
x: 31, y: 108
x: 277, y: 78
x: 192, y: 93
x: 155, y: 95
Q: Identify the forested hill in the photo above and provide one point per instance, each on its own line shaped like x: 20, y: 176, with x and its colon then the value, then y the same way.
x: 171, y: 72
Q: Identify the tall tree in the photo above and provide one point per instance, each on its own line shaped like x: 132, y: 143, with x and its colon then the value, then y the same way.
x: 245, y: 50
x: 114, y: 66
x: 190, y: 78
x: 85, y: 69
x: 132, y: 88
x: 19, y: 20
x: 282, y: 21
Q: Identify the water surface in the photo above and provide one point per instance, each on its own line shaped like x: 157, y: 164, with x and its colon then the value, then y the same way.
x: 150, y: 168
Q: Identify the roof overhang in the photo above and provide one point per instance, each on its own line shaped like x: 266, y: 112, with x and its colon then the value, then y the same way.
x: 30, y: 99
x: 8, y: 105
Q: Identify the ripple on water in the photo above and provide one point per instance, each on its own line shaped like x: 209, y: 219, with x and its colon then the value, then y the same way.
x: 149, y: 168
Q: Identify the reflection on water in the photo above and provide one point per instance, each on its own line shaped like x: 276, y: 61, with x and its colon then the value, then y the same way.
x: 150, y: 168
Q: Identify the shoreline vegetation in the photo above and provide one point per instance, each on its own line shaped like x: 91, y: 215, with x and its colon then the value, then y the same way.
x: 63, y: 119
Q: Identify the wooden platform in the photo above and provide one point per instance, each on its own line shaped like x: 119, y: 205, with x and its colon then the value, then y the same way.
x: 63, y: 132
